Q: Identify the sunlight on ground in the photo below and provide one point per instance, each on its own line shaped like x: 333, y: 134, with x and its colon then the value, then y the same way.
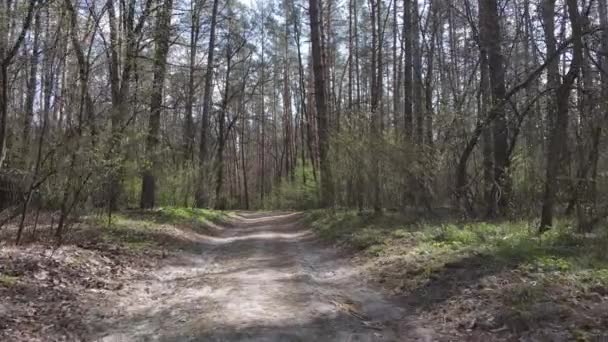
x: 256, y: 277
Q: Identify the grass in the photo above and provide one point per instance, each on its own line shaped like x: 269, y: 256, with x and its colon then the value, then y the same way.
x: 147, y: 230
x: 200, y: 215
x: 360, y: 231
x: 502, y: 275
x: 416, y: 254
x: 180, y: 215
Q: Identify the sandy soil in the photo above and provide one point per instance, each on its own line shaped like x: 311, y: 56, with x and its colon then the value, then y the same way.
x: 264, y: 277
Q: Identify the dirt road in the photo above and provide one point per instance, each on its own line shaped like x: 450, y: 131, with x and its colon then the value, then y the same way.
x: 263, y: 278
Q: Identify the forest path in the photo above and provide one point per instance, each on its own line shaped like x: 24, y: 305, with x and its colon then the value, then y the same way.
x: 263, y: 278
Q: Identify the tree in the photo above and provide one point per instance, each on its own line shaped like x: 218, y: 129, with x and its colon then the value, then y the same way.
x: 408, y: 33
x: 195, y: 28
x: 555, y: 154
x: 327, y: 192
x: 399, y: 105
x: 489, y: 36
x: 201, y: 199
x: 8, y: 52
x: 162, y: 36
x: 121, y: 67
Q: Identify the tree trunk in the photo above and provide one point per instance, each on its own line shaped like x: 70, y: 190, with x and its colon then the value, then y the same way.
x: 189, y: 131
x: 396, y: 71
x: 201, y: 197
x: 428, y: 96
x: 220, y: 200
x: 408, y: 33
x: 489, y: 35
x: 287, y: 115
x: 162, y: 35
x: 120, y: 84
x: 31, y: 92
x: 7, y: 55
x: 327, y: 193
x: 486, y: 136
x: 555, y: 155
x: 417, y: 74
x: 553, y: 79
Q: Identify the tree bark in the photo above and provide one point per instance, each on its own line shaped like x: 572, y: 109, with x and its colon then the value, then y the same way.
x: 555, y: 155
x: 162, y: 35
x: 327, y: 192
x: 201, y: 197
x: 7, y: 56
x: 417, y: 74
x: 408, y: 33
x: 489, y: 35
x: 31, y: 92
x: 189, y: 131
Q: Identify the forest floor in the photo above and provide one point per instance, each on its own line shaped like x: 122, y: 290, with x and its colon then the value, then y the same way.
x: 197, y: 275
x: 481, y: 281
x: 162, y: 276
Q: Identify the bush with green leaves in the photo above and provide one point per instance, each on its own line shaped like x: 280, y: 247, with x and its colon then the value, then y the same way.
x: 300, y: 193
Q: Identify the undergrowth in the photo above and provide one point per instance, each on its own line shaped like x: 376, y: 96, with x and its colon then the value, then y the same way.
x: 563, y: 254
x: 300, y: 193
x: 146, y: 230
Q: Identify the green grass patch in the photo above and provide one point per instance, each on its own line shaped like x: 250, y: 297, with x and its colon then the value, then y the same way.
x: 143, y: 230
x: 300, y: 193
x: 560, y: 251
x: 520, y: 279
x: 360, y: 230
x: 131, y: 233
x: 180, y: 215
